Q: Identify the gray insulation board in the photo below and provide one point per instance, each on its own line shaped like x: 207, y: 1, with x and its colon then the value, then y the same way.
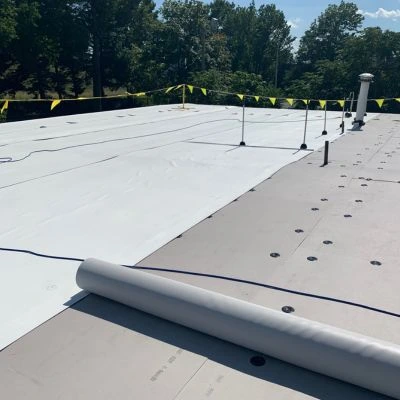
x: 341, y: 354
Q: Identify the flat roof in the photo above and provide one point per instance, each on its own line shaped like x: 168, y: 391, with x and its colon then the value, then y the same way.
x: 98, y: 348
x: 119, y: 185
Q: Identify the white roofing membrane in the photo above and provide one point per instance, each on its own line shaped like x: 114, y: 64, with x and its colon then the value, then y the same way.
x: 119, y: 185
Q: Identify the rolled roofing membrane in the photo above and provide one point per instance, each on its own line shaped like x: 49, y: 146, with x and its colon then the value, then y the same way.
x: 341, y: 354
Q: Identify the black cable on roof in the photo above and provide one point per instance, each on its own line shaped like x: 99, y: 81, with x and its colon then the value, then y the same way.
x: 222, y: 277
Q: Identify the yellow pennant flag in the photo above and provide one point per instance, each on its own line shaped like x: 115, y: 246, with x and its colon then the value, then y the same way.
x: 322, y: 103
x: 204, y: 90
x: 240, y: 96
x: 169, y: 89
x: 178, y: 87
x: 190, y: 87
x: 54, y: 104
x: 140, y: 94
x: 341, y: 103
x: 5, y: 107
x: 380, y: 102
x: 257, y: 98
x: 290, y: 101
x: 272, y: 100
x: 398, y: 99
x: 305, y: 101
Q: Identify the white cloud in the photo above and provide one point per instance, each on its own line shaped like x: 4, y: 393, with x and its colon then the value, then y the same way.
x: 294, y: 23
x: 296, y: 45
x: 381, y: 13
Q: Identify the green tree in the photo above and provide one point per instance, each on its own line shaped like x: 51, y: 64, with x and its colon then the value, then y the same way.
x: 327, y: 34
x: 33, y: 50
x: 8, y: 13
x: 273, y: 44
x: 137, y: 59
x: 377, y: 52
x: 187, y: 29
x: 240, y: 28
x: 8, y: 35
x: 50, y: 48
x: 259, y: 40
x: 108, y: 24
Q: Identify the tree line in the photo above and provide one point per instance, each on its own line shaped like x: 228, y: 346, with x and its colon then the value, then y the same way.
x: 62, y: 48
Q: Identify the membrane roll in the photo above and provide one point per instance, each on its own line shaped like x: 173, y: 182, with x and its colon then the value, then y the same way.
x: 341, y: 354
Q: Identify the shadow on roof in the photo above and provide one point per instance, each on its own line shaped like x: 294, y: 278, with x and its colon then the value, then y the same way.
x: 219, y: 351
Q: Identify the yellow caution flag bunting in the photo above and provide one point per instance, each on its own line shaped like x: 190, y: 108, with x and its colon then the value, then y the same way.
x: 290, y: 101
x: 240, y: 96
x: 322, y: 103
x: 272, y: 100
x: 54, y: 104
x: 190, y: 87
x: 5, y: 107
x: 178, y: 87
x: 257, y: 98
x: 140, y: 94
x: 380, y: 102
x: 169, y: 89
x: 204, y: 90
x: 341, y: 103
x: 398, y: 99
x: 305, y: 101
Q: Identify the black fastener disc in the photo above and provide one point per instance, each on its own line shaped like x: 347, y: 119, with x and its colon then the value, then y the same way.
x: 314, y: 209
x: 359, y: 201
x: 287, y: 309
x: 299, y: 230
x: 257, y: 361
x: 275, y: 255
x: 312, y: 258
x: 376, y: 263
x: 327, y: 242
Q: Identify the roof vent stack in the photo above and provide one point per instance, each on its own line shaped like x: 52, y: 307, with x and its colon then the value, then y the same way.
x: 365, y: 80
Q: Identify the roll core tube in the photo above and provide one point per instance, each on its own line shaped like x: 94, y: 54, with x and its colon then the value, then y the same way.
x: 344, y: 355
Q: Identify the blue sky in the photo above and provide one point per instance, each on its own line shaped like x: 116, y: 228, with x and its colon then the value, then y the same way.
x: 300, y: 13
